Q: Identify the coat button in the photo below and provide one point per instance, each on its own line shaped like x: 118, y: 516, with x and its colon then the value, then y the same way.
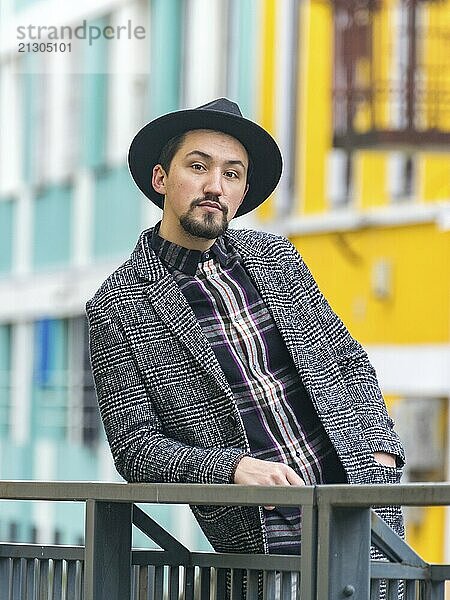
x: 232, y: 420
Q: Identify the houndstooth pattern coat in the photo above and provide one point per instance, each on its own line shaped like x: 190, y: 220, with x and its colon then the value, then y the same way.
x: 167, y: 408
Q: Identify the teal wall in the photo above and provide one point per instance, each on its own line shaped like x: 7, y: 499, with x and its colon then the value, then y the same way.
x: 117, y: 213
x: 165, y: 63
x: 247, y: 67
x: 52, y: 219
x: 94, y: 99
x: 7, y: 222
x: 243, y: 54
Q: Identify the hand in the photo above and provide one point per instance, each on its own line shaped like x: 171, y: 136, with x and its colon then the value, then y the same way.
x: 388, y: 460
x: 252, y: 471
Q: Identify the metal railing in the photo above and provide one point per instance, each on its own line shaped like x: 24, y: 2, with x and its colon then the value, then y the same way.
x: 338, y: 528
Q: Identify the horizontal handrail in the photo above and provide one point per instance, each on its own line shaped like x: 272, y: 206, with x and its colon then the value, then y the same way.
x: 40, y: 551
x: 167, y: 493
x: 334, y: 517
x: 410, y: 494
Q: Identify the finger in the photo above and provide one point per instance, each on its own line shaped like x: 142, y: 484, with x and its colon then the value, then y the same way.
x: 293, y: 478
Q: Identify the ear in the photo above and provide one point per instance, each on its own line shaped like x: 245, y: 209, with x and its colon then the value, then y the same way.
x: 243, y: 196
x: 159, y: 179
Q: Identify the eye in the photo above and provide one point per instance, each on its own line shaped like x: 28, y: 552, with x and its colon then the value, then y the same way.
x: 197, y: 166
x: 231, y: 175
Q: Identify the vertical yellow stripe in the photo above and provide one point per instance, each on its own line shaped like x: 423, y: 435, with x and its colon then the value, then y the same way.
x: 314, y: 109
x: 370, y: 168
x: 370, y: 185
x: 267, y: 92
x: 434, y: 168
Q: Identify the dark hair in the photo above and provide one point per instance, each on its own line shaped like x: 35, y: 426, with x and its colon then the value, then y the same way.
x: 171, y: 147
x: 169, y: 150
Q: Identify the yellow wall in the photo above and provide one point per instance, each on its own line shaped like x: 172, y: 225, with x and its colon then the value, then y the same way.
x: 427, y: 536
x: 417, y: 310
x: 370, y: 186
x: 314, y: 112
x: 434, y: 176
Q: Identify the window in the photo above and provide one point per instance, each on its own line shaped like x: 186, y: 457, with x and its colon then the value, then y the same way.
x: 49, y: 414
x: 43, y: 113
x: 70, y: 138
x: 10, y: 138
x: 84, y: 417
x: 7, y: 214
x: 94, y: 99
x: 64, y: 400
x: 339, y: 177
x: 401, y: 176
x: 387, y: 90
x: 52, y: 227
x: 5, y: 378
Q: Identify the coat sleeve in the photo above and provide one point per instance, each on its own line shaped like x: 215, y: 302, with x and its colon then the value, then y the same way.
x: 141, y: 451
x: 357, y: 372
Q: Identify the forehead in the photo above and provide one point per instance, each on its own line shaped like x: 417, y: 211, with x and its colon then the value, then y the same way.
x: 215, y: 143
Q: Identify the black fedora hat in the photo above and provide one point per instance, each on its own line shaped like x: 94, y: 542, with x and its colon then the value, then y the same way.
x: 219, y: 115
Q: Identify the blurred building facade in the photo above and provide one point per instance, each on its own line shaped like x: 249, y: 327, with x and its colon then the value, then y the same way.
x: 357, y: 92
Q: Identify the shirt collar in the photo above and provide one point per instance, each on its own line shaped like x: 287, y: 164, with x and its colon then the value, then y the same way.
x: 184, y: 259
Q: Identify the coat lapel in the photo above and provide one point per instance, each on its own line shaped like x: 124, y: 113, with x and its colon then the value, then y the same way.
x: 291, y: 316
x: 172, y: 308
x: 175, y: 312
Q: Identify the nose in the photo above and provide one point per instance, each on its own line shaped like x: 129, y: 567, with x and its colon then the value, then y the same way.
x: 213, y: 183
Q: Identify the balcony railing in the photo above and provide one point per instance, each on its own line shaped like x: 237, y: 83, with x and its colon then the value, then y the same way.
x: 337, y: 532
x: 390, y: 88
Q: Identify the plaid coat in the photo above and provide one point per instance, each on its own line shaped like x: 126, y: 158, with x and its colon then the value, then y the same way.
x: 167, y: 408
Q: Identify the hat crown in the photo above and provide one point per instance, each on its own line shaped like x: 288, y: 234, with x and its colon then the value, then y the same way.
x: 222, y: 105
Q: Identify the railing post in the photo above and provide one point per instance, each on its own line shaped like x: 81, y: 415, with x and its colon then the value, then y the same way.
x: 107, y: 562
x: 308, y: 552
x: 343, y: 557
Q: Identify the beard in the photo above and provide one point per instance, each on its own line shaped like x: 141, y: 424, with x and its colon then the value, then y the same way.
x: 208, y: 226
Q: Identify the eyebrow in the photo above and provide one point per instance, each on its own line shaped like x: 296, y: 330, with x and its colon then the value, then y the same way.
x: 209, y: 157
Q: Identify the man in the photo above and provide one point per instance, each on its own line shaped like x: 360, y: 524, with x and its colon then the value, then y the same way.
x: 215, y: 356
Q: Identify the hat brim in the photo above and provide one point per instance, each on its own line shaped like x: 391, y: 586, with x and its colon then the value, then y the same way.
x: 145, y: 150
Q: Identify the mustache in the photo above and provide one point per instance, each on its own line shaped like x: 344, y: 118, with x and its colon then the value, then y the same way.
x: 210, y: 198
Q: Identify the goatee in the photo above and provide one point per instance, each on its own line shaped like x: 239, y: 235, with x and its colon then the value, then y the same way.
x: 208, y: 226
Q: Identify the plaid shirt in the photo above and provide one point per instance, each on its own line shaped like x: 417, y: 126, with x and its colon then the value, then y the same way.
x: 277, y: 413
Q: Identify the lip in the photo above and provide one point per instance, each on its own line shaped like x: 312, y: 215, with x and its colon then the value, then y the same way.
x: 211, y: 205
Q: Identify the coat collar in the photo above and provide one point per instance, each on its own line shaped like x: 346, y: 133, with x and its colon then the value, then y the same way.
x: 144, y: 260
x: 148, y: 266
